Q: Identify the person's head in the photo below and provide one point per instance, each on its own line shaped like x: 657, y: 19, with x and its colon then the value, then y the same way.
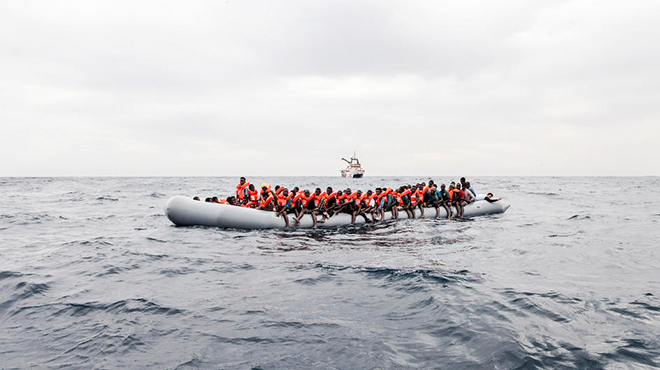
x: 452, y: 183
x: 251, y: 187
x: 458, y: 186
x: 242, y: 181
x: 462, y: 180
x: 358, y: 193
x: 348, y: 191
x: 264, y: 186
x: 369, y: 192
x: 231, y: 200
x: 434, y: 187
x: 296, y: 189
x: 328, y: 190
x: 467, y: 185
x: 285, y: 192
x: 420, y: 187
x: 442, y: 186
x: 489, y: 195
x: 246, y: 200
x: 379, y: 190
x: 306, y: 192
x: 207, y: 200
x: 317, y: 191
x: 196, y: 198
x: 423, y: 184
x: 339, y: 193
x: 431, y: 183
x: 452, y: 186
x: 277, y: 187
x: 215, y: 200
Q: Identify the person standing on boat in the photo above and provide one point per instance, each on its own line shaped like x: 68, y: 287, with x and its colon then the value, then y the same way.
x: 242, y: 189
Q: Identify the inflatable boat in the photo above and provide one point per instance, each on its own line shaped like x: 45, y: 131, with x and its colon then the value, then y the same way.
x: 184, y: 211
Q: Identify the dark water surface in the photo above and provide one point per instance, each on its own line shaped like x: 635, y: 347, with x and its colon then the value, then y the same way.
x: 94, y: 276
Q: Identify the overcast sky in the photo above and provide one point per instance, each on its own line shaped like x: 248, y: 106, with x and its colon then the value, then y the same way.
x: 213, y: 88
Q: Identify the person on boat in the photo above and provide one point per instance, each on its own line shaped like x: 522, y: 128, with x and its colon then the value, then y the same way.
x: 392, y: 204
x: 265, y: 188
x: 253, y: 194
x: 458, y: 199
x: 196, y: 198
x: 231, y: 201
x: 489, y: 198
x: 367, y: 202
x: 319, y: 206
x: 330, y: 199
x: 468, y: 196
x: 285, y: 202
x: 470, y: 188
x: 267, y: 203
x: 359, y: 207
x: 403, y: 201
x: 208, y: 200
x: 421, y: 198
x: 348, y: 205
x: 307, y: 203
x: 378, y: 206
x: 444, y: 200
x: 451, y: 191
x: 297, y: 203
x: 215, y: 200
x: 241, y: 188
x: 463, y: 182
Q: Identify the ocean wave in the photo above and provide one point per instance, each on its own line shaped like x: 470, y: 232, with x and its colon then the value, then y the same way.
x: 135, y: 305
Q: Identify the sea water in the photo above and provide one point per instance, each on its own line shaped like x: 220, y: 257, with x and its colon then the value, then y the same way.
x: 94, y: 276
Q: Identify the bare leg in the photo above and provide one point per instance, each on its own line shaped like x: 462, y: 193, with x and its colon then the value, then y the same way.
x: 299, y: 216
x: 444, y: 205
x: 314, y: 214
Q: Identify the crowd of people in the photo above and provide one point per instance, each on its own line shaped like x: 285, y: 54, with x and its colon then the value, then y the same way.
x: 406, y: 198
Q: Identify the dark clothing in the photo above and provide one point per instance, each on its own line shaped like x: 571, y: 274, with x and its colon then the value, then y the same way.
x: 490, y: 200
x: 445, y: 195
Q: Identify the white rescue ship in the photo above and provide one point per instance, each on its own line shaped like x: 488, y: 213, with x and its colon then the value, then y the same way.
x: 354, y: 168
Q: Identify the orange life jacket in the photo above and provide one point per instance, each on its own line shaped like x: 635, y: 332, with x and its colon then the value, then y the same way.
x: 240, y: 188
x: 254, y: 195
x: 264, y: 202
x: 330, y: 196
x: 399, y: 198
x: 223, y: 201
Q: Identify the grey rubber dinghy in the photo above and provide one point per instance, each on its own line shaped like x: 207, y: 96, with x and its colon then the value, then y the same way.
x: 184, y: 211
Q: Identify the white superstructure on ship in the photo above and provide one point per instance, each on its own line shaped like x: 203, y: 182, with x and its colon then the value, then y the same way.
x: 354, y: 169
